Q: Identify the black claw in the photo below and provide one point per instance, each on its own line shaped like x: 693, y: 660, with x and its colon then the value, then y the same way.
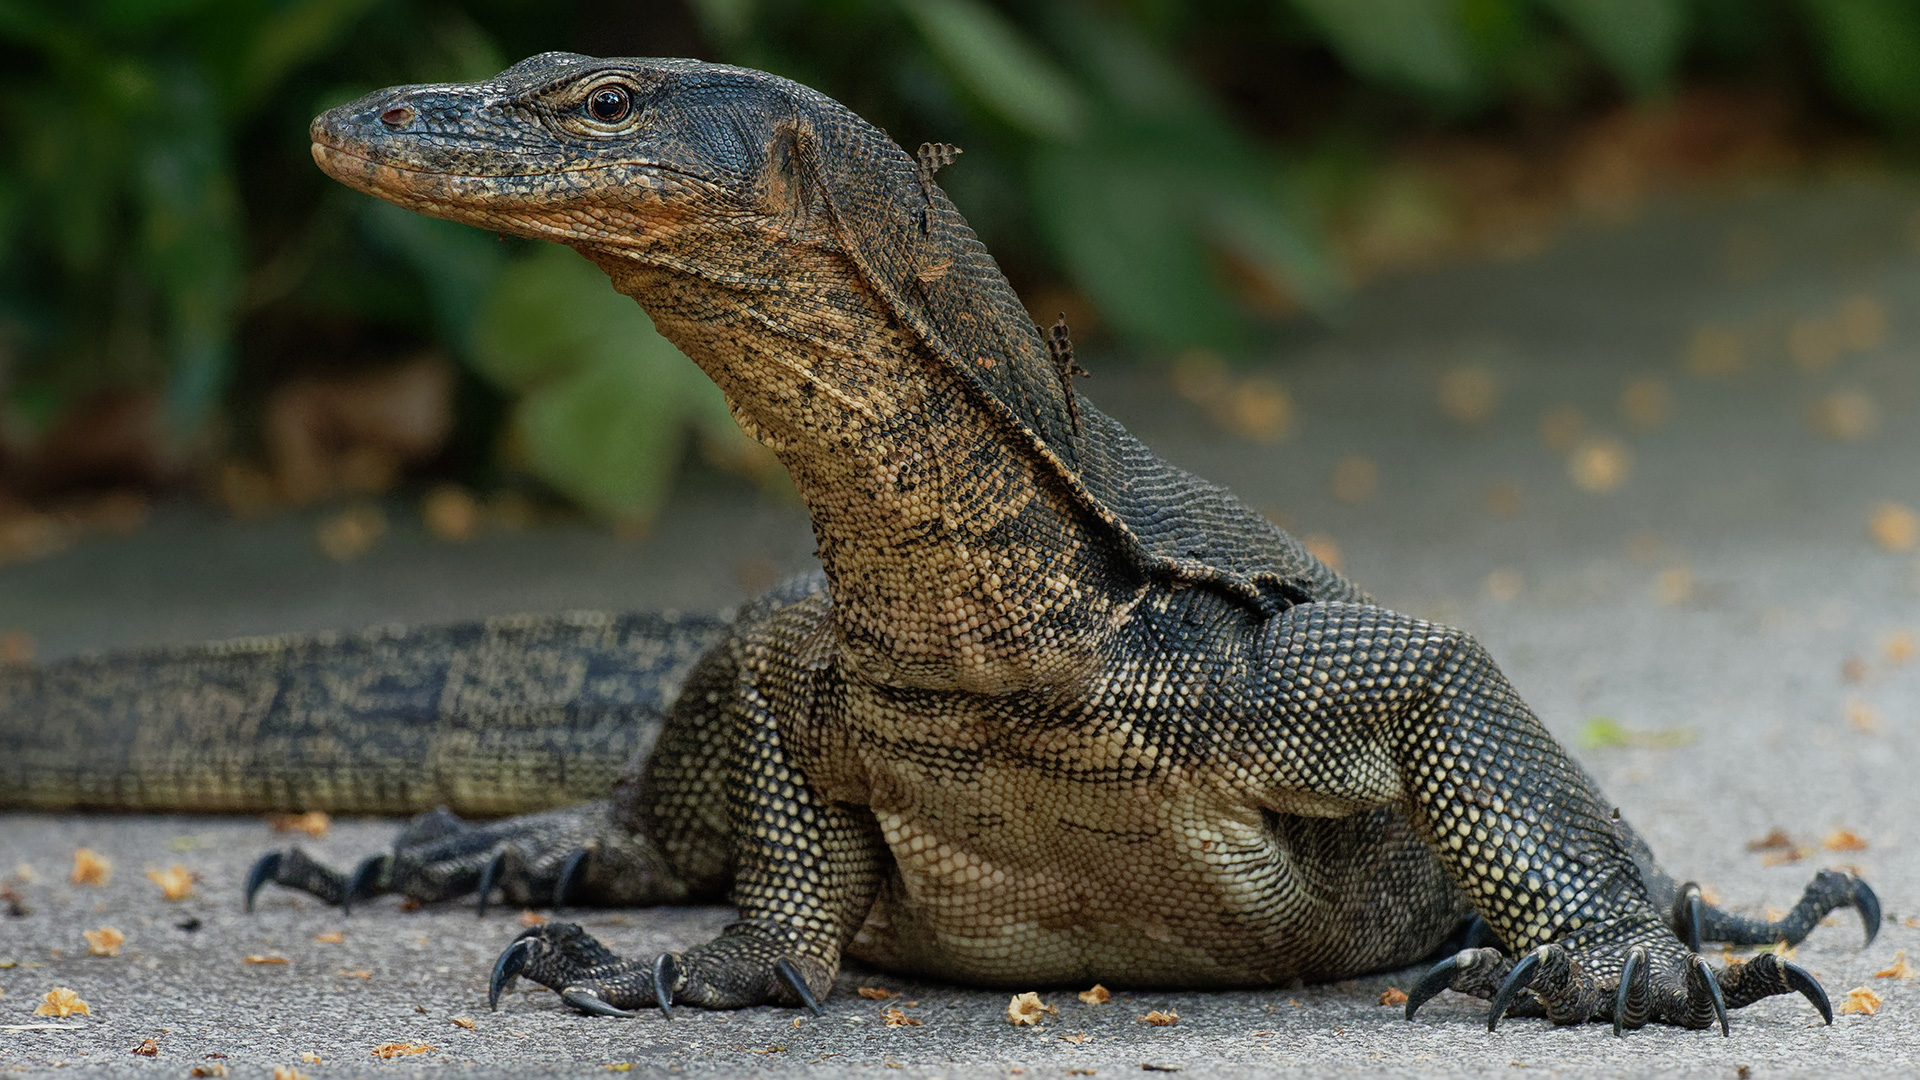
x: 573, y: 873
x: 1636, y: 960
x: 789, y: 973
x: 1696, y: 916
x: 1868, y: 905
x: 1517, y: 980
x: 1809, y: 988
x: 505, y: 968
x: 589, y: 1002
x: 666, y: 976
x: 262, y: 872
x: 362, y: 885
x: 1438, y: 978
x: 488, y: 876
x: 1713, y: 991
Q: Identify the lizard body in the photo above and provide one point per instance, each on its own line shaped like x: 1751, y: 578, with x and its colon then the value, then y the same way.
x: 1055, y: 711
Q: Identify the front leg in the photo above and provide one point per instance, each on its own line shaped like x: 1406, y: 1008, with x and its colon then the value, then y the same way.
x: 807, y: 870
x: 1388, y: 708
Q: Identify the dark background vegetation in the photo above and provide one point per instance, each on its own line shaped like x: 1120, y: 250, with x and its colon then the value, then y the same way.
x: 186, y: 302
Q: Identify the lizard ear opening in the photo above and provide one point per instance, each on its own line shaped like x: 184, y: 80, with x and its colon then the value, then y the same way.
x: 789, y: 182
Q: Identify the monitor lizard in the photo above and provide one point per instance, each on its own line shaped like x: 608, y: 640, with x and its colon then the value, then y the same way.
x: 1053, y: 711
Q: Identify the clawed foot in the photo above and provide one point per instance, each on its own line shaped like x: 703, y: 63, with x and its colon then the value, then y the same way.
x: 1651, y: 982
x: 1695, y: 921
x: 539, y: 859
x: 751, y: 963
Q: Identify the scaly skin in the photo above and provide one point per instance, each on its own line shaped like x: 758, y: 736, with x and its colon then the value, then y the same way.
x: 1057, y: 712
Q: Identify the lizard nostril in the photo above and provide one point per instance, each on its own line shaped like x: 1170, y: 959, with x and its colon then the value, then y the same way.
x: 398, y: 116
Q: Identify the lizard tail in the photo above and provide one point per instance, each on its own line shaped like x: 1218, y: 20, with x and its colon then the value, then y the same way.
x: 503, y: 716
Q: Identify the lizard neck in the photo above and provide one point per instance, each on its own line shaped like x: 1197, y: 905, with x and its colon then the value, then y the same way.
x: 954, y: 560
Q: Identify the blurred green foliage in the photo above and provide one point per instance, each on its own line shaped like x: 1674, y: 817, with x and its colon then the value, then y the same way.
x: 1170, y: 161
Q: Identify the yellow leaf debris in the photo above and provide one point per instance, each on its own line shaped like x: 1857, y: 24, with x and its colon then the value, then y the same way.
x: 1469, y: 393
x: 1078, y: 1038
x: 1393, y: 995
x: 62, y: 1002
x: 351, y: 533
x: 530, y: 917
x: 147, y: 1048
x: 1026, y: 1010
x: 1900, y: 647
x: 1099, y: 995
x: 1843, y: 840
x: 258, y: 958
x: 1325, y: 548
x: 288, y: 1072
x: 876, y: 993
x: 314, y: 823
x: 1899, y: 969
x: 462, y: 1022
x: 105, y: 941
x: 399, y: 1049
x: 176, y: 882
x: 451, y: 513
x: 1862, y: 1001
x: 1355, y: 479
x: 1600, y: 464
x: 1162, y: 1019
x: 90, y: 868
x: 1894, y: 527
x: 331, y: 937
x: 895, y: 1018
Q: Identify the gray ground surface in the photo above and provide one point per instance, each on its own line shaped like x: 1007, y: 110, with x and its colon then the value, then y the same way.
x: 1765, y: 521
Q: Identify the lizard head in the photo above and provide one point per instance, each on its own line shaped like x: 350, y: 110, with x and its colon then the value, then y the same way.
x: 611, y: 156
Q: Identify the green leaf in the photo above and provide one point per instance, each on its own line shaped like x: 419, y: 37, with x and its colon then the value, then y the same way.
x: 1639, y: 40
x: 191, y: 241
x: 999, y: 66
x: 458, y: 263
x: 1871, y: 50
x: 1602, y: 733
x: 1123, y: 228
x: 606, y: 402
x: 292, y: 35
x: 1416, y: 45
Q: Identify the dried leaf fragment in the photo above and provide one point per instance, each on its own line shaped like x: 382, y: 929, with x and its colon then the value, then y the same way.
x: 1393, y: 995
x: 1894, y: 527
x: 1899, y: 969
x: 1843, y: 840
x: 400, y: 1049
x: 147, y: 1048
x: 895, y: 1018
x: 176, y: 882
x: 1078, y: 1038
x: 1355, y: 479
x: 62, y: 1002
x: 1773, y: 840
x: 1600, y: 465
x: 90, y: 868
x: 351, y: 533
x: 451, y: 513
x: 462, y: 1022
x: 332, y: 937
x: 1900, y: 647
x: 1162, y: 1019
x: 268, y: 958
x: 213, y: 1069
x: 530, y: 917
x: 1026, y: 1010
x: 105, y: 941
x: 314, y: 823
x: 288, y: 1072
x: 1469, y: 393
x: 1862, y: 715
x: 308, y: 1057
x: 1096, y: 996
x: 1861, y: 1000
x: 876, y: 993
x: 357, y: 973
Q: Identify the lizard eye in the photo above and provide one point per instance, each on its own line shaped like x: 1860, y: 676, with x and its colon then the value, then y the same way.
x: 609, y: 104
